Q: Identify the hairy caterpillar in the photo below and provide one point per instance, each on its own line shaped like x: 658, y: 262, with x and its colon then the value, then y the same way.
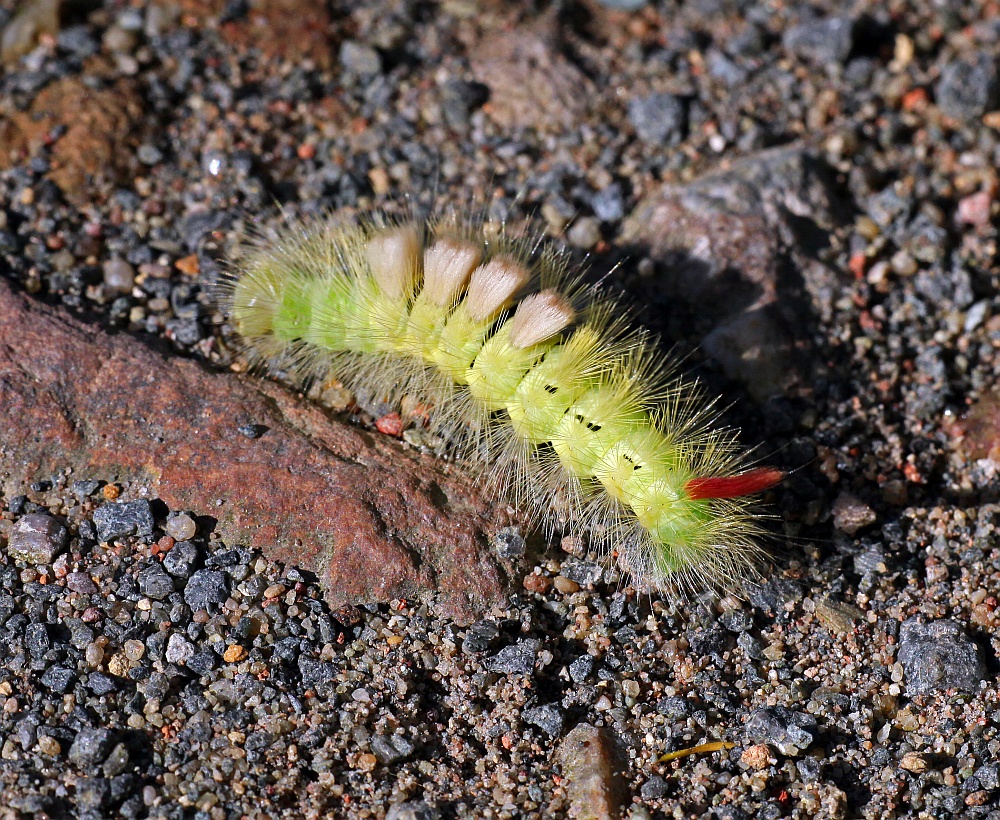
x: 529, y: 374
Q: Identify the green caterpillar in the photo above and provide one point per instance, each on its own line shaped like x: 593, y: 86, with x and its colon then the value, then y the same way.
x: 536, y: 379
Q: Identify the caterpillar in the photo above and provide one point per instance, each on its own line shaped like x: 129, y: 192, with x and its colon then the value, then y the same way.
x: 537, y: 380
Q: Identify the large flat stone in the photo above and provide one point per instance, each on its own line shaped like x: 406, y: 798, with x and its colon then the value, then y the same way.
x: 374, y: 521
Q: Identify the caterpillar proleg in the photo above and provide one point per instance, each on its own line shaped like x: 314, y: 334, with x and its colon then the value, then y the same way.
x: 537, y: 380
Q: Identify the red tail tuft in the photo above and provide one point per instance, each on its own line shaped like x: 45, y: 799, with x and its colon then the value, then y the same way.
x: 733, y: 486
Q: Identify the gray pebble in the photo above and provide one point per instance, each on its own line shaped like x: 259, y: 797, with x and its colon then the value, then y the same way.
x: 83, y: 489
x: 155, y: 583
x: 654, y: 788
x: 516, y: 659
x: 938, y: 656
x: 116, y: 761
x: 989, y: 776
x: 120, y: 519
x: 149, y: 154
x: 580, y: 669
x: 585, y: 573
x: 969, y: 88
x: 91, y: 747
x: 101, y: 684
x: 736, y: 620
x: 480, y: 635
x: 360, y: 59
x: 58, y: 679
x: 548, y: 718
x: 459, y: 99
x: 37, y: 539
x: 391, y: 748
x: 180, y: 560
x: 206, y: 588
x: 509, y: 543
x: 316, y: 672
x: 37, y: 640
x: 609, y: 203
x: 659, y: 119
x: 790, y: 732
x: 823, y: 42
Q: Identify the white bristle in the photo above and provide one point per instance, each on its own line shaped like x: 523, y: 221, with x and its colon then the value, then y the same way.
x: 448, y: 264
x: 493, y: 285
x: 394, y: 259
x: 539, y: 317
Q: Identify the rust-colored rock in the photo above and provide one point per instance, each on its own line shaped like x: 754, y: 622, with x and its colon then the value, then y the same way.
x: 99, y: 138
x: 282, y: 29
x: 978, y: 431
x: 372, y: 520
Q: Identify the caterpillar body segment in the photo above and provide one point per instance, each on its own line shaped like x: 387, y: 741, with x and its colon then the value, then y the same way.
x: 538, y: 380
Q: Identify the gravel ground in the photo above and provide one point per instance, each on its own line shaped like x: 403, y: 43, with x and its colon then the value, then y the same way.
x: 803, y: 197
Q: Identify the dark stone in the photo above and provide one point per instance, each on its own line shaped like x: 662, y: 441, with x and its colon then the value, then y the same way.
x: 988, y: 776
x: 939, y: 656
x: 92, y: 793
x: 181, y: 559
x: 391, y: 748
x: 460, y: 98
x: 516, y: 659
x: 609, y: 204
x: 155, y: 583
x: 101, y: 684
x: 654, y: 788
x: 509, y: 543
x: 585, y: 573
x: 206, y: 588
x: 37, y: 639
x: 316, y: 672
x: 58, y: 679
x: 790, y: 732
x: 91, y: 747
x: 479, y: 636
x: 548, y: 718
x: 580, y: 669
x: 736, y: 620
x: 673, y: 708
x: 121, y: 519
x: 201, y: 663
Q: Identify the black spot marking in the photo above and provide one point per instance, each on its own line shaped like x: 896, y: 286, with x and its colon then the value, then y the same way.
x: 551, y: 389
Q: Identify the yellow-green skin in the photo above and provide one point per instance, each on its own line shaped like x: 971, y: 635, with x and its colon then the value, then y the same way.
x: 556, y: 393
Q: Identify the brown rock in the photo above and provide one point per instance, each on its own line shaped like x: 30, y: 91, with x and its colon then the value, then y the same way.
x: 851, y: 514
x: 591, y: 769
x: 978, y: 431
x: 532, y: 85
x: 372, y: 520
x: 728, y: 241
x: 99, y: 139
